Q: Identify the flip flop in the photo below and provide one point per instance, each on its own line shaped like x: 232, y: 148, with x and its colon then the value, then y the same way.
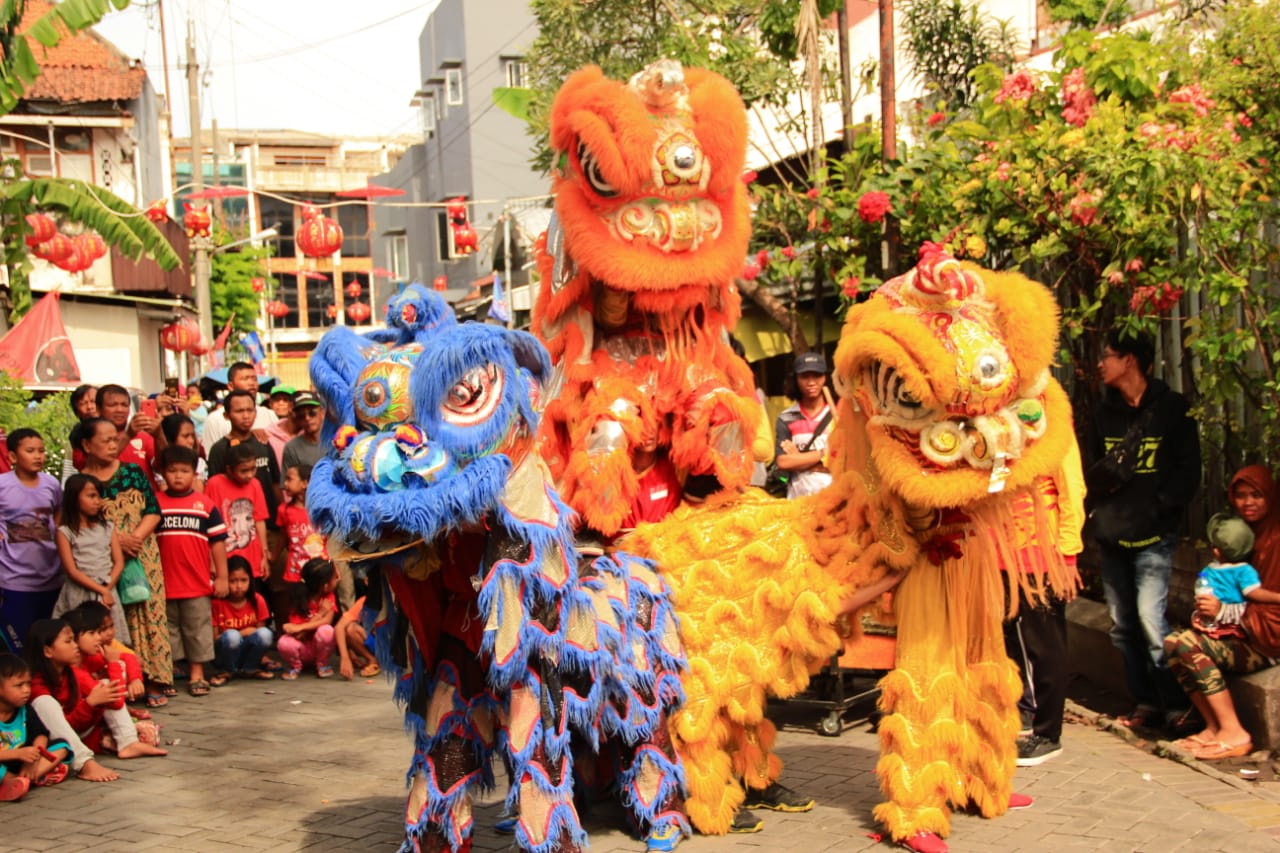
x: 264, y: 675
x: 1220, y: 750
x: 370, y: 671
x: 219, y: 679
x: 157, y: 700
x: 198, y: 688
x: 1192, y: 742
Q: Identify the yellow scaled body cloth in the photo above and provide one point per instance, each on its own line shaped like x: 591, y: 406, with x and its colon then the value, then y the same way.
x: 947, y: 424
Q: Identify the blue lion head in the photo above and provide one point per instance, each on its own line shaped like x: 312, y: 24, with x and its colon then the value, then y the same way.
x: 425, y: 419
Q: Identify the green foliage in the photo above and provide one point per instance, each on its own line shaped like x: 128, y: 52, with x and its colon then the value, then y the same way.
x: 1087, y: 14
x: 622, y: 38
x: 231, y: 277
x: 51, y: 417
x: 946, y: 40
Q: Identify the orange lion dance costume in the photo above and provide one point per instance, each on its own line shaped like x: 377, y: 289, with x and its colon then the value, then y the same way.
x: 949, y: 432
x: 637, y: 297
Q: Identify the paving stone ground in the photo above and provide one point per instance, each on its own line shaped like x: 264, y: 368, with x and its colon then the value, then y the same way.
x: 319, y: 766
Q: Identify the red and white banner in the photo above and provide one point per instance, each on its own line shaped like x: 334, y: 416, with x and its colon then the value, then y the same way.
x: 37, y: 350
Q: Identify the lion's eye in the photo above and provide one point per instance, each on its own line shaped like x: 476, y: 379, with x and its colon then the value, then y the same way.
x: 375, y: 394
x: 473, y: 398
x: 892, y: 395
x: 591, y: 171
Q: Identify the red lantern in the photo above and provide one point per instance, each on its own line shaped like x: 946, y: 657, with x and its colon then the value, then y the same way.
x: 465, y: 240
x: 197, y: 220
x: 77, y: 260
x: 319, y: 237
x: 332, y: 311
x: 259, y: 284
x: 309, y: 212
x: 180, y: 336
x: 456, y: 209
x: 277, y: 309
x: 42, y: 228
x: 158, y: 211
x: 358, y: 312
x: 92, y: 245
x: 56, y: 248
x: 354, y: 289
x: 440, y: 283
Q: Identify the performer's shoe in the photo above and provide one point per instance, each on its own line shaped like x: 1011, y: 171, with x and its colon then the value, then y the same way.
x: 925, y: 841
x: 1018, y: 802
x: 664, y: 840
x: 745, y: 822
x: 507, y: 825
x: 778, y: 798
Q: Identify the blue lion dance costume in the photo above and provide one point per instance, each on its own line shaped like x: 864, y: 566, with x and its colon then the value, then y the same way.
x: 498, y: 635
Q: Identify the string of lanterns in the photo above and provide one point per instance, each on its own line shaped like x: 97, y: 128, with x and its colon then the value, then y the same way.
x: 73, y: 254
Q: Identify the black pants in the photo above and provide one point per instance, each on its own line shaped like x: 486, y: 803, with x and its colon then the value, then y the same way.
x: 1036, y: 640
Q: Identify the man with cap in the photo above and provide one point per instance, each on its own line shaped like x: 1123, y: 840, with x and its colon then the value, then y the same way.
x: 305, y: 447
x: 802, y: 429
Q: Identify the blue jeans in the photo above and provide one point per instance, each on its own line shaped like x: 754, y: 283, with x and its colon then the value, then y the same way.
x: 234, y: 652
x: 1136, y: 584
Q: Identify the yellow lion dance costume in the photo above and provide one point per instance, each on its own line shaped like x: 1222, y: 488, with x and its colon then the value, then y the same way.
x: 637, y: 294
x: 948, y: 429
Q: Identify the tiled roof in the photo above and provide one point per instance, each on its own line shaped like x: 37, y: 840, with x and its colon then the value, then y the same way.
x: 83, y: 68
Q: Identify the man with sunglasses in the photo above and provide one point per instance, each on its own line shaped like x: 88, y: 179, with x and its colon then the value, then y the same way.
x: 305, y: 447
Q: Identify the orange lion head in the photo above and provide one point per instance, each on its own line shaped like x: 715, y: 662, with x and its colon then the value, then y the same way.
x: 648, y: 177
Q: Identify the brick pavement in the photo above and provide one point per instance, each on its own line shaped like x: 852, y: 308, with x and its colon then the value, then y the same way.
x: 319, y: 766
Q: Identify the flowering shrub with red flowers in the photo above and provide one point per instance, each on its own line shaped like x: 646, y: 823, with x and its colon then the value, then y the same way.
x: 874, y: 206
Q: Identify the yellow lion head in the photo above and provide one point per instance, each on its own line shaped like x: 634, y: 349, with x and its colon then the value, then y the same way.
x: 948, y: 366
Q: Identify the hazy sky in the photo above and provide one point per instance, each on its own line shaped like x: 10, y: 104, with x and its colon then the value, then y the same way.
x: 320, y: 65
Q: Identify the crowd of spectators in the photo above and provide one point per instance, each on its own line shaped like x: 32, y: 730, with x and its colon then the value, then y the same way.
x: 175, y: 547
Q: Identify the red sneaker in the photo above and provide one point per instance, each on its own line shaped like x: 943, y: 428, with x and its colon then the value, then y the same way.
x: 1019, y: 801
x: 13, y: 787
x: 925, y: 842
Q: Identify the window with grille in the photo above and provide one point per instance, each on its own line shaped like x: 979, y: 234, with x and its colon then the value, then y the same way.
x: 517, y: 71
x: 453, y: 86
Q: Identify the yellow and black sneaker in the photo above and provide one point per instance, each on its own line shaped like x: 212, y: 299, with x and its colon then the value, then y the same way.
x: 744, y: 822
x: 778, y: 798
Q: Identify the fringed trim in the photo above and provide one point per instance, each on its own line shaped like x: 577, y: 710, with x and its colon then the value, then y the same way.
x: 560, y: 818
x: 903, y: 823
x: 930, y: 785
x: 670, y: 783
x: 438, y: 811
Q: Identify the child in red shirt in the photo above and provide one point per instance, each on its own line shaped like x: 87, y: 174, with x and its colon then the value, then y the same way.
x: 113, y: 658
x: 302, y: 540
x: 190, y: 536
x: 238, y: 495
x: 241, y: 635
x: 71, y: 703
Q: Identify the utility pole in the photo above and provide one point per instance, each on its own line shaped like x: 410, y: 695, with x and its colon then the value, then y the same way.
x: 888, y: 124
x: 846, y: 74
x: 200, y: 245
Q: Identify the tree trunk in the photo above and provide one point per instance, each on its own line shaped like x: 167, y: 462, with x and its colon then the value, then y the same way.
x: 777, y: 311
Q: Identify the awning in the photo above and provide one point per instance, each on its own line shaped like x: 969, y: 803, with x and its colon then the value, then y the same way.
x: 762, y: 337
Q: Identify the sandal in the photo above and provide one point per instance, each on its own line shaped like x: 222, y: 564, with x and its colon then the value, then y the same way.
x: 272, y: 665
x: 198, y: 688
x: 291, y: 675
x: 264, y: 675
x: 157, y: 700
x: 168, y: 690
x: 1192, y: 742
x: 1220, y: 750
x: 219, y: 679
x: 370, y: 671
x: 53, y: 777
x: 324, y: 672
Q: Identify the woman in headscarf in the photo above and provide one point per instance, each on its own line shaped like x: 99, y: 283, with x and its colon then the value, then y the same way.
x: 1199, y: 660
